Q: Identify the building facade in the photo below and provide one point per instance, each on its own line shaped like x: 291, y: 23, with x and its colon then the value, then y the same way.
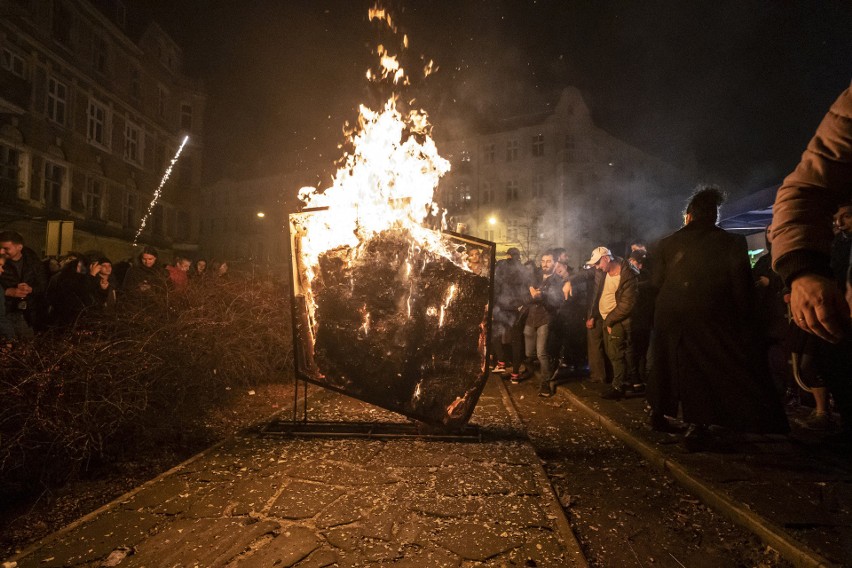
x: 556, y: 179
x: 91, y: 114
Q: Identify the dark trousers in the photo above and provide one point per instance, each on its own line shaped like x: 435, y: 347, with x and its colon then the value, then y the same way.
x: 619, y: 351
x: 598, y: 364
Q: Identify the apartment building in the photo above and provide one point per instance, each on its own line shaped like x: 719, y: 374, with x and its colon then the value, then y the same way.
x: 92, y: 110
x: 555, y: 179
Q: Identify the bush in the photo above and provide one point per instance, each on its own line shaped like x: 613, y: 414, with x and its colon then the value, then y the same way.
x: 145, y: 373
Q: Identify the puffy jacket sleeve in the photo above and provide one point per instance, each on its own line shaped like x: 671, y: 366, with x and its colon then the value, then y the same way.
x: 801, y: 226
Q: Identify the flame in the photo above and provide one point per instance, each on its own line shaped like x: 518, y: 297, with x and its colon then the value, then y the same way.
x: 451, y: 291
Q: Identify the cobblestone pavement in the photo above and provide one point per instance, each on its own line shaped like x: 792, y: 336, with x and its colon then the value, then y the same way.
x: 309, y: 502
x: 794, y: 492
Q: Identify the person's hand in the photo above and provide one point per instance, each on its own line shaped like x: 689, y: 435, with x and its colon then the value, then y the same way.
x: 15, y: 293
x: 535, y: 293
x: 94, y: 268
x: 762, y: 282
x: 817, y: 306
x: 590, y: 323
x: 609, y: 329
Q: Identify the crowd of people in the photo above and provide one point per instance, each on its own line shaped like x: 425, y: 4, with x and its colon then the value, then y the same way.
x: 689, y: 324
x: 51, y: 293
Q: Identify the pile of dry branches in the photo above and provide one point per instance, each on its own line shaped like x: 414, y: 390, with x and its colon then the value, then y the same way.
x: 140, y: 374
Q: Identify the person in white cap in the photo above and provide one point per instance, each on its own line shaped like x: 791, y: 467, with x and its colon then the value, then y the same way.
x: 616, y: 290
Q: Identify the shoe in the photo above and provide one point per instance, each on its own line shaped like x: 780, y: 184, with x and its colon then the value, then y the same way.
x: 816, y: 421
x: 527, y: 373
x: 514, y: 378
x: 660, y: 423
x: 499, y: 368
x: 613, y: 394
x: 637, y: 388
x: 696, y: 439
x: 547, y: 389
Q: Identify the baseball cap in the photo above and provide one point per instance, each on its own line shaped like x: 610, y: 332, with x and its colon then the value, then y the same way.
x: 513, y: 252
x: 597, y: 254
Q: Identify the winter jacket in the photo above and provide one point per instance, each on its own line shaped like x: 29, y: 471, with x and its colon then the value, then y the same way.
x: 625, y: 295
x: 801, y: 226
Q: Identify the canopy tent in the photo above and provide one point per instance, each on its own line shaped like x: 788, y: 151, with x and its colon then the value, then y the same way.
x: 749, y: 214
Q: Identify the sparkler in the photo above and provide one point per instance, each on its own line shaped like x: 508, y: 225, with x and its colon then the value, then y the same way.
x: 159, y: 190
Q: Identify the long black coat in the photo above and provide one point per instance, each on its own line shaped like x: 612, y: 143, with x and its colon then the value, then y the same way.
x: 705, y: 351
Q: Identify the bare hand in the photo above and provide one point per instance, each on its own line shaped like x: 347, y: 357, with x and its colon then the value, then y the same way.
x: 94, y: 268
x: 15, y: 293
x: 609, y: 329
x: 590, y: 323
x: 535, y: 293
x: 818, y: 307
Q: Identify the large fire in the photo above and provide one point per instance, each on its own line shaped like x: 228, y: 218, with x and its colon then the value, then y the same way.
x: 365, y: 250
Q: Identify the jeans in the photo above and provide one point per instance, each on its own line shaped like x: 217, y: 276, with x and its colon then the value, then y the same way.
x: 535, y: 340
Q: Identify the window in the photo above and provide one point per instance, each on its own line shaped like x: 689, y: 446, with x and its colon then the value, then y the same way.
x: 512, y: 190
x: 135, y: 83
x: 511, y: 150
x: 465, y: 199
x: 162, y: 98
x: 100, y: 54
x: 157, y: 220
x: 9, y: 166
x: 128, y: 210
x: 54, y: 175
x: 489, y: 235
x: 512, y: 230
x: 13, y: 63
x: 186, y: 116
x: 57, y: 100
x: 133, y: 143
x: 96, y: 130
x: 184, y: 224
x: 538, y: 185
x: 62, y: 22
x: 488, y: 153
x: 487, y: 191
x: 93, y: 198
x: 538, y: 145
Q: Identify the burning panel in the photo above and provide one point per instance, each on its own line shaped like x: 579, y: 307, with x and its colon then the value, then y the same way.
x: 396, y: 324
x: 386, y: 309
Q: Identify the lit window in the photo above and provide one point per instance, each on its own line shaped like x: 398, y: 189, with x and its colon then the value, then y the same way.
x: 57, y: 100
x: 538, y: 145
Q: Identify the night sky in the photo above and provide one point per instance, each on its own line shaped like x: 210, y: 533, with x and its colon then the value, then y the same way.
x: 732, y: 89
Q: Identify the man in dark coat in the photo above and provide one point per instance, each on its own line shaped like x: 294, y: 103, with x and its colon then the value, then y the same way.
x: 24, y: 282
x: 705, y: 351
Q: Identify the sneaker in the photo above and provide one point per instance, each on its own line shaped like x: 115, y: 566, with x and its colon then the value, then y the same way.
x: 499, y: 368
x: 547, y: 389
x: 817, y: 421
x: 613, y: 394
x: 514, y: 378
x: 659, y: 423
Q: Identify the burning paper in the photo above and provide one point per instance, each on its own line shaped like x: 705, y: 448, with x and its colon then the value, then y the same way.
x: 388, y: 309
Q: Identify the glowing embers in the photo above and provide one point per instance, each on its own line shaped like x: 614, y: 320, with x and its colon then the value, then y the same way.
x: 396, y: 325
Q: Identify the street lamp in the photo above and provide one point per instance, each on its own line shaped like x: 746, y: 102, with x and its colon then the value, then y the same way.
x: 261, y: 214
x: 492, y: 220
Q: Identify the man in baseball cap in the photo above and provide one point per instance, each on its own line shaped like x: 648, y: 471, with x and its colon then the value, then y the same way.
x: 597, y: 254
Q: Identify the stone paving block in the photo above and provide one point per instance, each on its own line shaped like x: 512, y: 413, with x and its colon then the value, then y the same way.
x: 470, y: 479
x: 199, y: 542
x: 302, y: 500
x: 542, y: 548
x: 787, y: 509
x: 339, y: 473
x: 423, y: 557
x: 95, y: 540
x: 476, y: 541
x: 345, y: 538
x: 521, y: 478
x: 322, y: 557
x: 351, y: 506
x: 291, y: 546
x: 410, y: 454
x: 157, y: 494
x: 516, y: 511
x: 443, y: 506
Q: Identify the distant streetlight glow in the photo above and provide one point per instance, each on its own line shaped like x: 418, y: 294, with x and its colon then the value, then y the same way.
x: 261, y: 214
x: 492, y: 220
